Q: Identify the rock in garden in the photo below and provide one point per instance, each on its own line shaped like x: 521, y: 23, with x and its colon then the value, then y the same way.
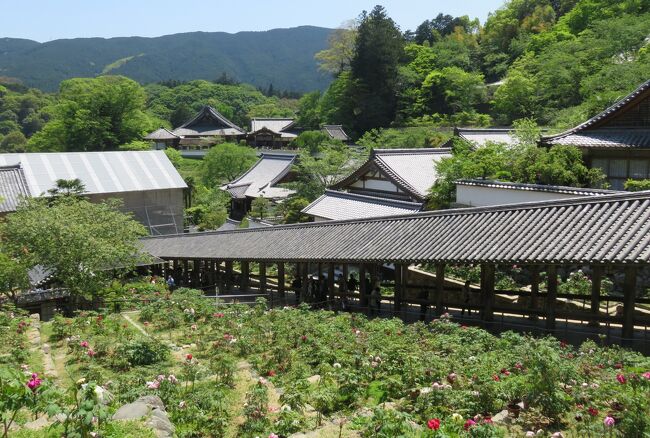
x: 46, y: 348
x: 152, y: 408
x: 314, y: 379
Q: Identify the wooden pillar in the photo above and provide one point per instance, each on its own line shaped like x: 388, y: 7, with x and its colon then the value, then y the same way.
x: 534, y: 290
x: 281, y: 279
x: 440, y: 288
x: 629, y: 294
x: 228, y: 277
x: 487, y: 291
x: 221, y: 279
x: 186, y: 273
x: 244, y: 282
x: 363, y: 292
x: 305, y: 281
x: 399, y: 287
x: 551, y: 296
x: 596, y: 280
x: 330, y: 281
x: 262, y: 267
x: 346, y: 274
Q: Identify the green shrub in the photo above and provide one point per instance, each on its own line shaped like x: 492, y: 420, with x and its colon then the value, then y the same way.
x: 143, y: 352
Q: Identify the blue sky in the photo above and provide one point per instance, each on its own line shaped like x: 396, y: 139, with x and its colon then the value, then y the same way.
x: 45, y: 20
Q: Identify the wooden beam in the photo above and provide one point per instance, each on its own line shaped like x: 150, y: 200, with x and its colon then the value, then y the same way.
x: 551, y: 296
x: 228, y: 277
x: 487, y: 290
x: 363, y: 292
x: 346, y: 274
x: 629, y: 294
x: 440, y: 288
x: 596, y: 280
x: 262, y: 278
x: 399, y: 287
x: 304, y: 268
x: 534, y: 290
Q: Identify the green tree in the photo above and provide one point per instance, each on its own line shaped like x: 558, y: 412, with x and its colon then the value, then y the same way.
x: 225, y: 162
x: 67, y: 188
x: 452, y: 90
x: 65, y: 237
x: 15, y: 141
x: 13, y: 276
x: 309, y: 116
x: 378, y: 49
x: 261, y: 208
x: 175, y: 157
x: 338, y: 56
x: 180, y: 115
x: 95, y: 115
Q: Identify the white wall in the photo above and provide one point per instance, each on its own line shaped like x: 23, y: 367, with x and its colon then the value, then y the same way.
x: 476, y: 196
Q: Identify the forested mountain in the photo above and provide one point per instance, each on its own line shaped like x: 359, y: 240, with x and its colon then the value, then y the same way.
x: 282, y: 57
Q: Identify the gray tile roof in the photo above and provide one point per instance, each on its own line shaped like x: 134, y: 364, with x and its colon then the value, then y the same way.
x: 13, y: 186
x: 161, y: 134
x: 101, y: 172
x: 412, y: 170
x: 276, y: 125
x: 578, y: 191
x: 208, y: 122
x: 336, y: 132
x: 605, y: 138
x: 608, y: 229
x: 482, y: 136
x: 260, y: 179
x: 336, y: 205
x: 594, y: 132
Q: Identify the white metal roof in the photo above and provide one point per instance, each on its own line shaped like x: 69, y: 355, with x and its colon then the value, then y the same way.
x: 101, y: 172
x: 260, y: 179
x: 335, y: 205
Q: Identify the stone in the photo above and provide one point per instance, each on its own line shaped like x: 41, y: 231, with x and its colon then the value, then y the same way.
x: 314, y: 379
x: 39, y: 423
x: 132, y: 411
x: 152, y: 408
x: 35, y: 317
x: 501, y: 417
x: 46, y: 348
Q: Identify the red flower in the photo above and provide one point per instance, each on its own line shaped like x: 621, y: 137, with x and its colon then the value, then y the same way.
x: 433, y: 424
x: 487, y: 420
x: 621, y: 378
x: 495, y: 378
x: 83, y: 344
x: 90, y: 352
x: 519, y: 366
x: 188, y: 357
x: 592, y: 411
x: 271, y: 373
x: 618, y: 366
x: 218, y: 315
x: 469, y: 423
x: 563, y: 344
x: 303, y: 338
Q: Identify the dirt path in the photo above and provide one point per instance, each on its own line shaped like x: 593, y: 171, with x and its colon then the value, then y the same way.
x: 244, y: 380
x: 137, y: 326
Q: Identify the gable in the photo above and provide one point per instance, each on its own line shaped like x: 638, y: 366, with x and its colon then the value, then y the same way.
x: 637, y: 116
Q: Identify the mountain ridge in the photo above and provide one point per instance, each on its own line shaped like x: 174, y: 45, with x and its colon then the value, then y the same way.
x: 282, y: 57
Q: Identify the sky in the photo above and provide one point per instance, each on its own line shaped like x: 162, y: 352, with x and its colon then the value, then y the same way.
x: 46, y: 20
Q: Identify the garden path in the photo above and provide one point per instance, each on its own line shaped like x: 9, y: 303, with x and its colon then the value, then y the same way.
x: 44, y: 350
x: 137, y: 326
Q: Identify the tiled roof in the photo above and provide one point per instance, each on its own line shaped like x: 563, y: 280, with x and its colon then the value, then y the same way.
x: 272, y: 124
x: 610, y: 229
x: 208, y: 122
x: 335, y: 205
x: 482, y: 136
x: 605, y: 138
x: 578, y: 191
x: 259, y: 180
x: 336, y: 132
x: 13, y: 186
x: 593, y: 132
x: 100, y: 172
x: 161, y: 134
x: 412, y: 170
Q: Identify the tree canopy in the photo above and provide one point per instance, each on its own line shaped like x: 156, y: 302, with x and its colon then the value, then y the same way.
x: 225, y: 162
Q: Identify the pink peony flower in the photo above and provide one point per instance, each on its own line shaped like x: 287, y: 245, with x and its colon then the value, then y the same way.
x: 83, y: 344
x: 172, y: 379
x: 609, y: 421
x: 646, y: 375
x: 621, y: 378
x: 153, y: 385
x: 496, y: 378
x: 469, y: 423
x: 433, y: 424
x: 272, y: 435
x: 188, y: 357
x: 91, y: 352
x: 218, y: 315
x: 451, y: 377
x: 592, y: 411
x: 34, y: 382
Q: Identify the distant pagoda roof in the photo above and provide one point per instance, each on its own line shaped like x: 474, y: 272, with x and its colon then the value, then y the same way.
x: 260, y: 180
x: 626, y: 124
x: 208, y: 123
x: 278, y: 126
x: 162, y: 134
x: 336, y: 132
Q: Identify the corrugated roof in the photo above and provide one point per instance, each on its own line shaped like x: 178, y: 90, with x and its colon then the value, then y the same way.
x: 592, y: 136
x: 208, y: 122
x: 259, y: 180
x: 578, y: 191
x: 13, y: 186
x: 161, y: 134
x: 335, y: 205
x: 101, y: 172
x: 412, y: 170
x: 605, y: 229
x: 336, y: 132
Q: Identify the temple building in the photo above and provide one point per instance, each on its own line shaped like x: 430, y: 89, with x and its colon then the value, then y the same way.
x: 617, y: 140
x: 336, y: 132
x: 272, y: 133
x: 259, y: 181
x: 146, y: 182
x: 392, y: 181
x: 207, y: 127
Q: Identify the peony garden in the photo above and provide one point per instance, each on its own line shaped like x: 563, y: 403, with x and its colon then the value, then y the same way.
x: 207, y: 369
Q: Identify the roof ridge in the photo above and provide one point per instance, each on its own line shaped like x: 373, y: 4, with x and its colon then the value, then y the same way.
x: 410, y: 151
x: 626, y: 196
x: 541, y: 187
x: 385, y: 201
x: 616, y: 106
